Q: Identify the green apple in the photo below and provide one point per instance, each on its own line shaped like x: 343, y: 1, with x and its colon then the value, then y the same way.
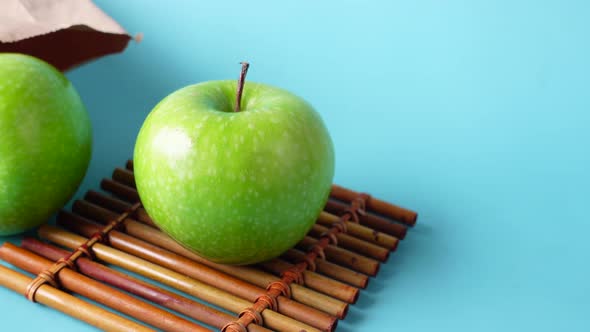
x: 235, y: 187
x: 45, y: 142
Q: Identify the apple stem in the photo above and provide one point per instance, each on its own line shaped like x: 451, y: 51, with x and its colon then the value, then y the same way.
x: 241, y: 82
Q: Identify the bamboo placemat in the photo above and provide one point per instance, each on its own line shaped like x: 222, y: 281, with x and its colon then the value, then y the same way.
x: 309, y: 288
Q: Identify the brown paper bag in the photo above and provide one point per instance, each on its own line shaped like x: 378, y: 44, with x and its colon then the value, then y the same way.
x: 64, y: 33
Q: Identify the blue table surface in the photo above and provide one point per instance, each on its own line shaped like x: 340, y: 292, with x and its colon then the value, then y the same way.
x: 474, y: 113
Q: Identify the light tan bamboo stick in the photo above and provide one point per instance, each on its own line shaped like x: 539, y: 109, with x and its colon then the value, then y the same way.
x: 107, y: 207
x: 99, y: 292
x: 353, y: 244
x: 362, y: 232
x: 173, y: 279
x: 277, y: 266
x: 170, y: 300
x: 344, y: 257
x: 203, y: 273
x: 369, y: 219
x: 323, y: 267
x: 70, y: 305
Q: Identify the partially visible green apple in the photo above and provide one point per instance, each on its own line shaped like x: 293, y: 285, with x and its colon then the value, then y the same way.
x: 235, y: 187
x: 45, y: 142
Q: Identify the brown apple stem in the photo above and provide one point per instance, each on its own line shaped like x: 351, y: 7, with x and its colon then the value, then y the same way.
x: 241, y: 82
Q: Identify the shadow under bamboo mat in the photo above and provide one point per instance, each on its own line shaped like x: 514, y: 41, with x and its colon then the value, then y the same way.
x: 308, y: 288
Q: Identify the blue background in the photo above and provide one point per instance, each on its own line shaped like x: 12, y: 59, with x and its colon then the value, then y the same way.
x: 474, y: 113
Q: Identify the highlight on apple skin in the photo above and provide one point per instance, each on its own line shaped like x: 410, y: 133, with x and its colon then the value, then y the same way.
x: 235, y: 187
x: 45, y: 142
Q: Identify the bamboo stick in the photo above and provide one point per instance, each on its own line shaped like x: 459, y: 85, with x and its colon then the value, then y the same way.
x: 125, y: 176
x: 70, y: 305
x: 183, y: 265
x: 387, y: 209
x: 369, y: 219
x: 277, y: 267
x: 107, y: 207
x: 225, y: 300
x: 120, y: 190
x: 359, y: 231
x: 326, y: 268
x: 344, y: 257
x: 99, y: 292
x: 170, y: 300
x: 353, y: 244
x: 117, y: 205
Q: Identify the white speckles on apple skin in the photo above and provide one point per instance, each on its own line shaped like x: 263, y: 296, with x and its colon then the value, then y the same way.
x: 253, y: 182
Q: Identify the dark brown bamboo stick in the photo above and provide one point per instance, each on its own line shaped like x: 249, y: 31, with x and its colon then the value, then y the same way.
x: 327, y: 268
x: 125, y: 176
x: 170, y: 300
x: 344, y: 257
x: 353, y: 244
x: 70, y: 305
x: 387, y: 209
x: 215, y: 296
x: 319, y: 319
x: 108, y: 207
x: 359, y: 231
x: 99, y: 292
x: 120, y: 190
x: 369, y: 219
x: 117, y: 205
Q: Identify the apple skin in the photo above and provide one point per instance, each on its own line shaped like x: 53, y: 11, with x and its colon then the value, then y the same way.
x: 45, y: 142
x: 235, y: 187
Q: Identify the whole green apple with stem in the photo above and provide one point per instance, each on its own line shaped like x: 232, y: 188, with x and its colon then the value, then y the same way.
x: 45, y: 142
x: 236, y: 178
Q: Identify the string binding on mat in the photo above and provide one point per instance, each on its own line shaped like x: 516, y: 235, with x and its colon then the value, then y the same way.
x: 295, y: 273
x: 357, y: 208
x: 49, y: 276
